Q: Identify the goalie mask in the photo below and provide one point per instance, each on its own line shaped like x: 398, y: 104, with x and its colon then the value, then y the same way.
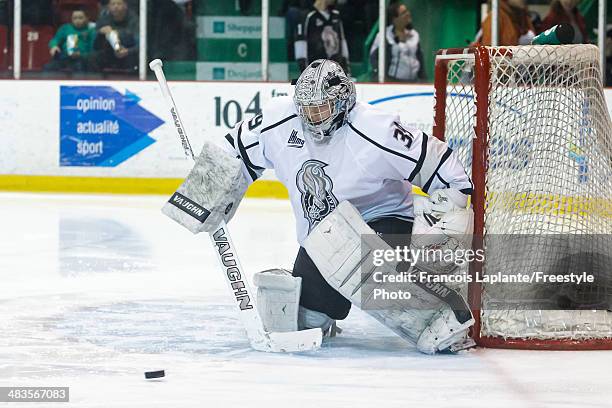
x: 323, y: 97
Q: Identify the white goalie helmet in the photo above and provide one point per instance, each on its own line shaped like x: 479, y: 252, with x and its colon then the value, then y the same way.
x: 323, y: 96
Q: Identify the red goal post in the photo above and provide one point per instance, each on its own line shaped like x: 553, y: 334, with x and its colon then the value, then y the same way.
x: 531, y: 125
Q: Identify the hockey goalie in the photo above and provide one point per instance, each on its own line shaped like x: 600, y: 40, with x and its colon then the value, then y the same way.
x: 349, y: 169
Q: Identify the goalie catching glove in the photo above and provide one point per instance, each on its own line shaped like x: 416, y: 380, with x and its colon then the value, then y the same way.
x: 440, y: 202
x: 210, y: 193
x: 442, y: 222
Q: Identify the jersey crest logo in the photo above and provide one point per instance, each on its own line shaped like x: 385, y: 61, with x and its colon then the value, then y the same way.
x: 331, y: 41
x: 294, y: 140
x: 318, y: 200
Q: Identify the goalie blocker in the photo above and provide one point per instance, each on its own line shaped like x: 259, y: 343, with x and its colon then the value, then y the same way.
x: 435, y: 319
x: 210, y: 193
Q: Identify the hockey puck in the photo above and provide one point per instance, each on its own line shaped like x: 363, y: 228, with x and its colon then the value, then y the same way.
x: 155, y: 374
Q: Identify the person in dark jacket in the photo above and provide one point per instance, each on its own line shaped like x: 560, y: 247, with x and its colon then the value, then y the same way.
x: 116, y: 45
x: 321, y: 36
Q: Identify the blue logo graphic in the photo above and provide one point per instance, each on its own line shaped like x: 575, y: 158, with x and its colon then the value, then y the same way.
x: 219, y: 27
x: 99, y: 126
x: 218, y: 73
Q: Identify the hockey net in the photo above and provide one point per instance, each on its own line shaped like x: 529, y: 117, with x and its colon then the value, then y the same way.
x: 532, y: 126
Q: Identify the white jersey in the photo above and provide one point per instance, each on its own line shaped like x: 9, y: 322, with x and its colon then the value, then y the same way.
x: 372, y: 162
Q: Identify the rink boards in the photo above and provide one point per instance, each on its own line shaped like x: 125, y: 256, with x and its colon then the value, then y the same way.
x: 117, y: 137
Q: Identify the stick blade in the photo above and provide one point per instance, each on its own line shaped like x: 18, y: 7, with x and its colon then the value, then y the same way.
x: 290, y: 342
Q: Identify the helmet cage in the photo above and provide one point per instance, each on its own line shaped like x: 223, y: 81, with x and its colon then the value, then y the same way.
x: 321, y: 118
x: 323, y: 97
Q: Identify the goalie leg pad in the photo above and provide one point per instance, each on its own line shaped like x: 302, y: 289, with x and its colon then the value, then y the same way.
x: 342, y: 247
x: 278, y: 298
x: 210, y: 193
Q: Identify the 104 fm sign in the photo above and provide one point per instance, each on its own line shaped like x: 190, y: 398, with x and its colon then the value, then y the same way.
x: 228, y: 112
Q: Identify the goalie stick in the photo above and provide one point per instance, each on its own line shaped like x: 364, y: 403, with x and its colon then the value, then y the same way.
x: 259, y: 338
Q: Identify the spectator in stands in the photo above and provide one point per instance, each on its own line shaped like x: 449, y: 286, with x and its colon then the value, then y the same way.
x: 294, y: 12
x: 72, y: 43
x: 116, y: 44
x: 321, y: 35
x: 515, y: 27
x: 170, y: 35
x: 132, y: 4
x: 403, y: 57
x: 566, y: 12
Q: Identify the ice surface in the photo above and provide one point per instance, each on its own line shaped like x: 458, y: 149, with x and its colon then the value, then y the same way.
x: 95, y: 290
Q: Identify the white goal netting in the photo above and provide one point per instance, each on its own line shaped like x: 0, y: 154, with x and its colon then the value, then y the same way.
x: 548, y: 178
